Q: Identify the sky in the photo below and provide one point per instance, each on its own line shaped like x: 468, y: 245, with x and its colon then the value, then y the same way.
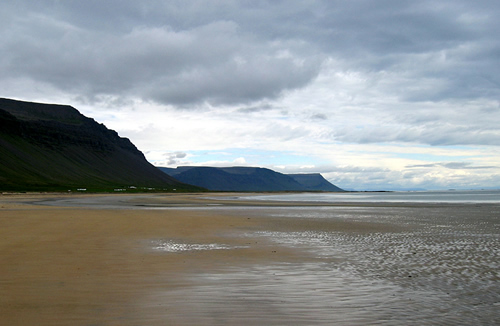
x: 372, y: 94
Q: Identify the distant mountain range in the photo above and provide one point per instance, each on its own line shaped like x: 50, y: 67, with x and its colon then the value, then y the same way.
x: 46, y: 147
x: 248, y: 179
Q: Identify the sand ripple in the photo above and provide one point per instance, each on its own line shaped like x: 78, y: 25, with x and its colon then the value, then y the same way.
x: 431, y: 266
x: 452, y: 254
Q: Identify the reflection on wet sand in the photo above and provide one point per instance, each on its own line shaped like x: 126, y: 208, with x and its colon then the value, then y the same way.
x: 244, y: 264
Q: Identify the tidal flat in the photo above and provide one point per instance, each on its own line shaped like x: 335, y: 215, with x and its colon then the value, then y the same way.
x: 191, y: 259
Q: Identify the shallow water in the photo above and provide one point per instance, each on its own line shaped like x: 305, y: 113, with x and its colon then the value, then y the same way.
x: 298, y: 294
x: 439, y: 267
x: 455, y: 196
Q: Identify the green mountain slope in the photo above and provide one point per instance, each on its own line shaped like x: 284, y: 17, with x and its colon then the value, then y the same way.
x: 47, y: 147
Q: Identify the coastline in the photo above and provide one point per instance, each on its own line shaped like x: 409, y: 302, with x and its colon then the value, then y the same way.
x: 81, y: 266
x: 199, y: 200
x: 146, y: 261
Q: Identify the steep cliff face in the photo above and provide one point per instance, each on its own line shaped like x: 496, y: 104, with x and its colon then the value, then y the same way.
x: 54, y: 147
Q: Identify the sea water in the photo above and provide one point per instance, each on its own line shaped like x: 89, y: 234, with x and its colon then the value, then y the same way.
x: 449, y: 196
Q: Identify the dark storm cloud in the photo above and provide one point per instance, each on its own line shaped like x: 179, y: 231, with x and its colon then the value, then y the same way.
x: 106, y: 48
x: 183, y: 52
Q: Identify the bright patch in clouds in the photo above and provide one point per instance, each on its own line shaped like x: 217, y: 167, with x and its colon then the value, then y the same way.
x: 373, y: 95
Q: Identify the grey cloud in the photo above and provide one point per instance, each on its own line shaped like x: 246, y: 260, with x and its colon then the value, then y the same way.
x: 452, y: 165
x: 332, y: 169
x: 227, y: 52
x: 432, y: 50
x: 254, y: 109
x: 469, y: 129
x: 430, y: 165
x: 319, y: 116
x: 233, y: 82
x: 212, y: 62
x: 244, y: 52
x: 174, y: 158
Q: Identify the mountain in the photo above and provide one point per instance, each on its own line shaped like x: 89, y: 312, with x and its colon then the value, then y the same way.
x: 248, y: 179
x: 48, y: 147
x: 314, y: 182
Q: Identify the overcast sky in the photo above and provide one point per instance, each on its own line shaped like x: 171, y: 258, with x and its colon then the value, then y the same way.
x: 373, y: 94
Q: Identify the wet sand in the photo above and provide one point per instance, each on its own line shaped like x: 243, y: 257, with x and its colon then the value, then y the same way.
x: 122, y: 264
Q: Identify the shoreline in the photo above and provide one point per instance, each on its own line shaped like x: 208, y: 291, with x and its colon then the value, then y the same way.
x: 74, y: 265
x: 79, y: 266
x: 196, y: 200
x: 140, y: 264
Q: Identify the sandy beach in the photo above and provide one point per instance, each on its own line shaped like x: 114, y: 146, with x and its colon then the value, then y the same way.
x: 63, y: 265
x: 79, y: 266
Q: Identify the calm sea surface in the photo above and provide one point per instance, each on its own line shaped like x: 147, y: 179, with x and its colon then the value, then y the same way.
x: 472, y: 196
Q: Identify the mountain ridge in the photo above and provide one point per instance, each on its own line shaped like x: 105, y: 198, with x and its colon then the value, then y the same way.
x: 55, y: 147
x: 239, y: 178
x: 315, y: 182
